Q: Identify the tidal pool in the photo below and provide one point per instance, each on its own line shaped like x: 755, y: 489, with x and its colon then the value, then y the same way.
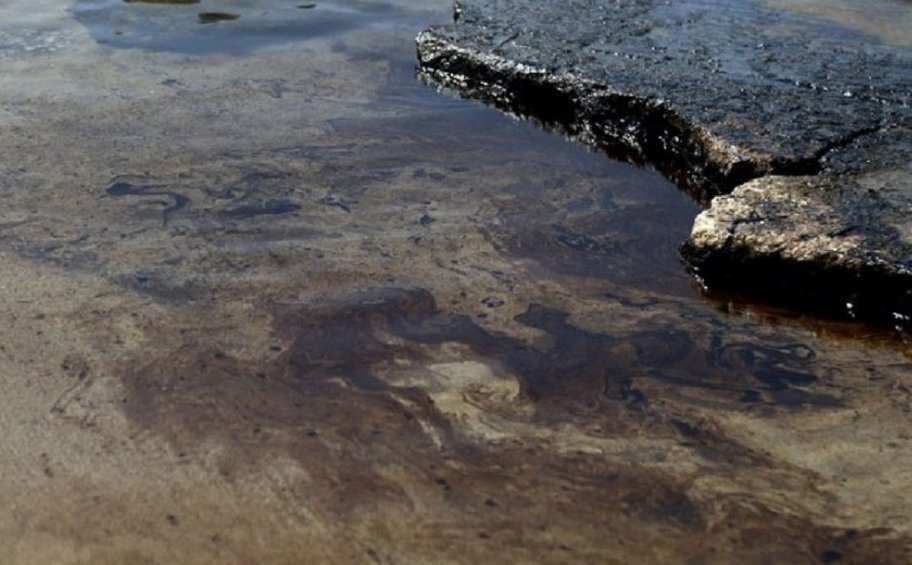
x: 268, y: 298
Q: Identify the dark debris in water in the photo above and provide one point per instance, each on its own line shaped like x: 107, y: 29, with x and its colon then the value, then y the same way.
x: 213, y: 17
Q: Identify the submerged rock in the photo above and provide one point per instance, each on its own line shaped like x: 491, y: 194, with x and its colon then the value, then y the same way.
x: 716, y: 94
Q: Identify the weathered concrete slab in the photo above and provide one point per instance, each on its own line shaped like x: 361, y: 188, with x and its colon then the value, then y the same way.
x: 715, y: 94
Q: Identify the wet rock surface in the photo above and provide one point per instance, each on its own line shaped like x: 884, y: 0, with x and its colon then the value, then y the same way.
x: 288, y: 304
x: 715, y: 94
x: 847, y: 243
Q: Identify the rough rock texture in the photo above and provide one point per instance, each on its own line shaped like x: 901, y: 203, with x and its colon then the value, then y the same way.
x: 846, y: 243
x: 715, y: 94
x: 837, y: 242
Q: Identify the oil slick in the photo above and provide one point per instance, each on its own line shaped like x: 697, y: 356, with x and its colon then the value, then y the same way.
x: 295, y: 303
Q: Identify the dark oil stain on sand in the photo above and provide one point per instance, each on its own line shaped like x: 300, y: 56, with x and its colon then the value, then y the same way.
x: 320, y: 401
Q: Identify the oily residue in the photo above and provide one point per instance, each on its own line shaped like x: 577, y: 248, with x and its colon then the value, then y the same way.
x: 269, y: 207
x: 325, y: 393
x: 624, y: 227
x: 291, y: 303
x: 736, y: 372
x: 346, y: 342
x: 326, y: 357
x: 213, y: 17
x: 177, y: 201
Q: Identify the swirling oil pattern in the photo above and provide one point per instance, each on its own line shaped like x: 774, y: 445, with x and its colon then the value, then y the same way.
x: 269, y: 299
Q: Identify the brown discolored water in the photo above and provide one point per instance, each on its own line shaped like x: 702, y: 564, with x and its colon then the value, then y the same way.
x: 268, y: 298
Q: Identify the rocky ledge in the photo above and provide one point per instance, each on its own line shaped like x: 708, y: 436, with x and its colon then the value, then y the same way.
x: 792, y: 121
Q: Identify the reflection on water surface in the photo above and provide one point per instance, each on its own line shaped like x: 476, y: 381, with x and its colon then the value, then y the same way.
x: 248, y: 24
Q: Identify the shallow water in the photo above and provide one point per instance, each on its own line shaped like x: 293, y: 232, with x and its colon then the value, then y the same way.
x: 187, y: 27
x: 269, y: 296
